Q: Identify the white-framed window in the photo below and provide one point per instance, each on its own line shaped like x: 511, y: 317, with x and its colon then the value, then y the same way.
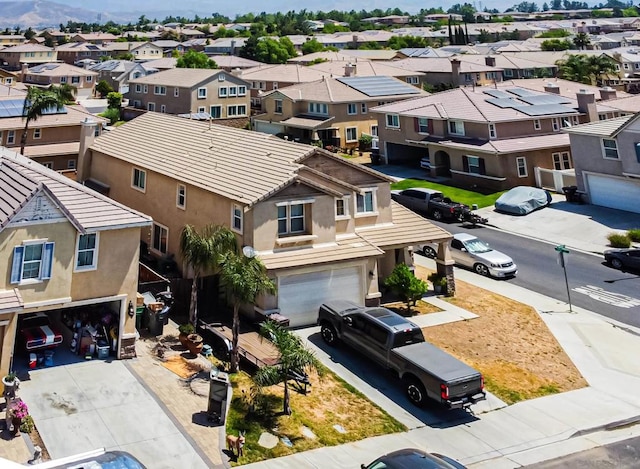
x: 610, y: 149
x: 237, y: 110
x: 233, y: 91
x: 159, y: 238
x: 75, y: 80
x: 625, y: 66
x: 374, y: 130
x: 363, y: 108
x: 555, y: 125
x: 37, y: 133
x: 222, y: 92
x: 366, y: 201
x: 456, y: 127
x: 202, y: 93
x: 291, y: 219
x: 521, y: 164
x: 87, y: 251
x: 318, y: 108
x: 221, y: 77
x: 71, y: 164
x: 393, y: 121
x: 181, y: 196
x: 352, y: 109
x: 145, y: 89
x: 561, y: 160
x: 492, y: 131
x: 11, y: 137
x: 275, y: 85
x: 278, y: 106
x: 215, y: 112
x: 176, y: 92
x: 351, y: 134
x: 8, y: 81
x: 575, y: 120
x: 507, y: 72
x: 536, y: 124
x: 32, y: 261
x: 151, y: 106
x: 139, y: 179
x: 473, y: 163
x: 412, y: 80
x: 201, y: 109
x: 242, y: 90
x: 160, y: 90
x: 88, y: 79
x: 47, y: 164
x: 423, y: 125
x: 63, y: 79
x: 236, y: 218
x: 342, y: 207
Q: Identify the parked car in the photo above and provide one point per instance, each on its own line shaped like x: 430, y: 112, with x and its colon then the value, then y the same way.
x: 623, y: 258
x: 37, y: 332
x: 523, y: 200
x: 414, y: 459
x: 469, y: 251
x: 431, y: 202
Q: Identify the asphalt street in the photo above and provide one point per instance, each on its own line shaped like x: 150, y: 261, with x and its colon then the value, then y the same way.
x: 593, y: 285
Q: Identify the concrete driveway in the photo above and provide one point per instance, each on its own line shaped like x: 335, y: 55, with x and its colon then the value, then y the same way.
x: 89, y: 405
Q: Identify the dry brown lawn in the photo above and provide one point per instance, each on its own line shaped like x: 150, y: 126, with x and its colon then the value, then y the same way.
x: 421, y: 307
x: 509, y: 343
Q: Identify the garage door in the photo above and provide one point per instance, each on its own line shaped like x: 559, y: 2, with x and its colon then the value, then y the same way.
x: 269, y: 128
x: 614, y: 192
x: 300, y: 296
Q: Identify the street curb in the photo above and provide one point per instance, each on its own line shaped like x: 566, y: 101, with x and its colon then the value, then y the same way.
x: 628, y: 422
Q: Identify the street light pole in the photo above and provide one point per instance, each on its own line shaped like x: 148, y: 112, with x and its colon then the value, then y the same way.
x: 562, y: 250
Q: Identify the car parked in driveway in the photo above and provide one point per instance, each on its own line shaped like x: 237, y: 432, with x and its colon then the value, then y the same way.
x: 430, y: 202
x: 623, y: 258
x: 470, y: 251
x: 411, y: 458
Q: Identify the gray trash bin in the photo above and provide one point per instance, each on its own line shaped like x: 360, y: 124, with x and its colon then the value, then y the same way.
x: 155, y: 322
x: 218, y: 388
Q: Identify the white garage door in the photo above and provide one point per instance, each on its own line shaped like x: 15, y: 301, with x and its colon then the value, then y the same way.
x: 300, y: 296
x: 614, y: 192
x: 269, y: 128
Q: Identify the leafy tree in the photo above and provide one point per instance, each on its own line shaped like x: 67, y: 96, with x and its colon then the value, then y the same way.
x: 311, y: 46
x: 39, y: 100
x: 245, y: 278
x: 103, y: 88
x: 269, y: 50
x: 581, y: 41
x: 195, y: 59
x: 555, y: 33
x: 203, y: 251
x: 112, y: 114
x: 295, y: 357
x: 401, y: 42
x: 114, y: 100
x: 466, y: 10
x: 406, y: 285
x: 585, y: 68
x: 555, y: 44
x: 29, y: 33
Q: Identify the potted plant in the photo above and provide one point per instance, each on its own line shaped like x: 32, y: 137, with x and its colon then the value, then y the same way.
x: 364, y: 142
x: 195, y: 342
x: 11, y: 384
x: 18, y: 410
x: 185, y: 330
x: 439, y: 282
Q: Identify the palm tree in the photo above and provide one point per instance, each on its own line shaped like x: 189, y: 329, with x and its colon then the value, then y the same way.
x: 245, y: 278
x: 204, y: 251
x: 39, y: 100
x: 585, y: 68
x: 581, y: 40
x: 294, y: 358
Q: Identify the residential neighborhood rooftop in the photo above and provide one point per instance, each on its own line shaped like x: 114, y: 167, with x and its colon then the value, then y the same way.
x: 605, y: 128
x: 181, y: 77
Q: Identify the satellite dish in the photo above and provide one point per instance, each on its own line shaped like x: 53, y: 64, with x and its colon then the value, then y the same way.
x: 248, y: 251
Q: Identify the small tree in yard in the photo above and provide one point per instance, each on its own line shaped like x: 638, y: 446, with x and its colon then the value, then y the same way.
x: 406, y: 285
x: 103, y: 88
x: 295, y: 357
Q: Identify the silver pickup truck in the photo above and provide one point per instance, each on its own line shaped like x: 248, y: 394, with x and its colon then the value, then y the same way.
x: 397, y: 344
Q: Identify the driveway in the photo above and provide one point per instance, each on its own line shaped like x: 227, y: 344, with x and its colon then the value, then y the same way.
x: 100, y: 404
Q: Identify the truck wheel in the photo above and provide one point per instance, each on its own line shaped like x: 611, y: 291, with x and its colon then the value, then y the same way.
x: 329, y: 334
x: 416, y: 392
x: 616, y: 263
x: 437, y: 215
x: 428, y: 251
x: 481, y: 269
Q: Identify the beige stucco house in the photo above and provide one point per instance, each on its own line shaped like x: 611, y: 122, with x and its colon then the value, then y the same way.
x: 65, y: 251
x: 30, y: 54
x: 324, y: 227
x: 59, y: 73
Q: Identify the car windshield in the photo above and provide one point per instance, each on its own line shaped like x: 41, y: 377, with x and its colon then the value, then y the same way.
x: 476, y: 246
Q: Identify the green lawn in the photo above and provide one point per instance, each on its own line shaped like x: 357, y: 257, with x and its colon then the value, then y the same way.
x: 457, y: 195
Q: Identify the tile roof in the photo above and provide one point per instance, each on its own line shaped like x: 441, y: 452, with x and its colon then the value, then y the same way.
x: 183, y: 77
x: 233, y: 61
x: 287, y: 73
x: 566, y: 88
x: 10, y: 300
x: 58, y: 69
x: 28, y: 48
x: 603, y: 128
x: 366, y: 69
x: 509, y: 145
x: 441, y: 65
x: 87, y: 210
x: 52, y: 149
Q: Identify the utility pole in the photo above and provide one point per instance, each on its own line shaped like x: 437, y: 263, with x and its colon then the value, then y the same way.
x: 562, y: 250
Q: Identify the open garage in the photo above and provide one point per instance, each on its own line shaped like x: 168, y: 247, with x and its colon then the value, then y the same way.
x: 405, y: 154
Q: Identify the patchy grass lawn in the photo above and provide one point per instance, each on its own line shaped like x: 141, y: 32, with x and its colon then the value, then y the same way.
x: 330, y: 401
x: 509, y: 343
x: 458, y: 195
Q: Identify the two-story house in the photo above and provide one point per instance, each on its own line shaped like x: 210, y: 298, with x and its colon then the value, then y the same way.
x: 117, y: 73
x: 185, y: 90
x: 334, y: 111
x: 452, y: 71
x: 59, y: 73
x: 324, y: 227
x: 607, y: 161
x: 491, y: 137
x: 74, y: 52
x: 94, y: 38
x: 370, y: 68
x: 29, y: 54
x: 67, y: 252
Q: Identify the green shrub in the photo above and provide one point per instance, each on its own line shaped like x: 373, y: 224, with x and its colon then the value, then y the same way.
x: 618, y: 240
x: 112, y: 114
x: 27, y: 424
x: 406, y: 285
x: 634, y: 235
x: 186, y: 328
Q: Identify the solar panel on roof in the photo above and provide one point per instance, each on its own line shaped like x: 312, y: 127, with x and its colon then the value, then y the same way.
x: 503, y: 102
x: 378, y: 85
x: 542, y: 109
x: 521, y: 92
x: 545, y: 99
x: 497, y: 94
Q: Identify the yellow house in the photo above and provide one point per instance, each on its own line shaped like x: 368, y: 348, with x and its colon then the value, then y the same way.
x: 67, y: 252
x: 30, y: 54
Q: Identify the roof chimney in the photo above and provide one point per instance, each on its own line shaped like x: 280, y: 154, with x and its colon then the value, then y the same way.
x: 349, y: 70
x: 607, y: 93
x: 23, y: 72
x: 552, y: 88
x: 587, y: 104
x: 455, y: 71
x: 87, y: 136
x: 490, y: 61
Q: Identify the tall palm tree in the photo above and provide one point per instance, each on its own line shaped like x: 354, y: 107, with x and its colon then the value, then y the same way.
x: 204, y: 251
x: 39, y: 100
x: 245, y: 278
x: 294, y: 358
x: 584, y: 68
x: 581, y: 40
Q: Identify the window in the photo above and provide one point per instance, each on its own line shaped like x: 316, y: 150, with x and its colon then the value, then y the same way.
x: 275, y: 85
x: 393, y: 120
x: 561, y: 160
x: 222, y: 92
x: 610, y: 148
x: 32, y: 261
x: 423, y: 125
x: 352, y: 109
x: 473, y: 165
x: 365, y: 201
x: 233, y: 91
x: 137, y: 103
x: 290, y: 219
x: 508, y: 72
x: 456, y: 127
x: 236, y: 110
x: 278, y: 106
x: 71, y: 164
x: 159, y: 239
x: 145, y: 89
x: 87, y: 251
x: 318, y: 108
x: 48, y: 164
x: 342, y: 207
x: 11, y: 137
x: 181, y: 196
x: 374, y: 130
x: 161, y: 90
x: 363, y: 108
x: 201, y: 109
x: 236, y: 218
x: 492, y: 131
x: 536, y: 124
x: 221, y: 77
x: 625, y: 66
x: 37, y: 133
x: 63, y: 79
x: 88, y: 79
x: 412, y: 80
x: 151, y: 106
x: 176, y: 92
x: 554, y: 124
x: 351, y: 134
x: 521, y: 164
x: 139, y: 179
x: 202, y: 93
x: 637, y: 148
x: 163, y: 108
x: 242, y: 90
x: 215, y: 111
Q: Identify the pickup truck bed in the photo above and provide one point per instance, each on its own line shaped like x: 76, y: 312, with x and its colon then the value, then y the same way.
x: 439, y: 363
